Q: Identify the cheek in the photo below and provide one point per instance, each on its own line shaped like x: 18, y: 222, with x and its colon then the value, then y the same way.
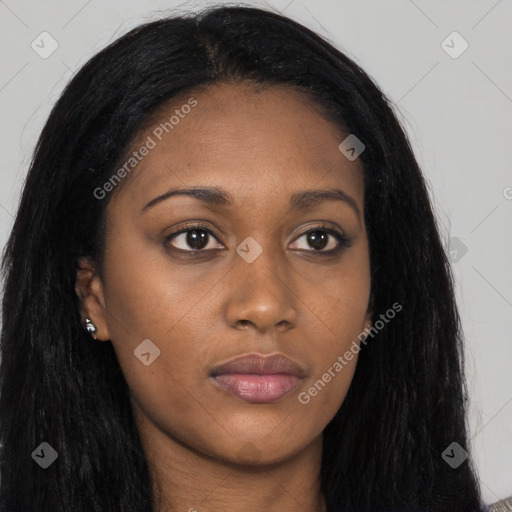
x: 160, y: 343
x: 146, y: 295
x: 340, y: 314
x: 340, y: 296
x: 156, y: 316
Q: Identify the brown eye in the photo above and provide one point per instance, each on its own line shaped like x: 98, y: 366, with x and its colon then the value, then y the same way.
x: 322, y: 240
x: 192, y: 238
x: 318, y: 240
x: 196, y: 239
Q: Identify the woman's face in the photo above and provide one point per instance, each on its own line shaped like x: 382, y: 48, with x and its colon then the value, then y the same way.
x: 258, y: 284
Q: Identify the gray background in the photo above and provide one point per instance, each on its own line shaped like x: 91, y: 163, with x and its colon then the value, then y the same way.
x: 457, y: 110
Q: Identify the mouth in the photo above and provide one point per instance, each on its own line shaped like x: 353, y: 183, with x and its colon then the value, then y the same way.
x: 257, y: 378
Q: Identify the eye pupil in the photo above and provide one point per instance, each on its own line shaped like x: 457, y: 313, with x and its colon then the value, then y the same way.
x: 318, y: 239
x: 197, y: 239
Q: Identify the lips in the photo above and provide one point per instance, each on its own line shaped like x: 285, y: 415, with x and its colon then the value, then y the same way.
x: 258, y: 378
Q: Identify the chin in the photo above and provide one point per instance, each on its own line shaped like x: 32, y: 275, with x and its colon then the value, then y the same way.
x: 262, y: 451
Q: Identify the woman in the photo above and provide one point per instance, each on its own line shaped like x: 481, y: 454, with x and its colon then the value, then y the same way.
x: 225, y: 288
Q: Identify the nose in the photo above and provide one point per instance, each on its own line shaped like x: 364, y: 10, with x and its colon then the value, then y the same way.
x: 261, y: 295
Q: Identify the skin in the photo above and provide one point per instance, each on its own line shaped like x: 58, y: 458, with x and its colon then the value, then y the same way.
x: 209, y: 450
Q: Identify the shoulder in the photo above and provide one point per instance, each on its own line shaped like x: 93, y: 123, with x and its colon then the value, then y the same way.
x: 501, y: 506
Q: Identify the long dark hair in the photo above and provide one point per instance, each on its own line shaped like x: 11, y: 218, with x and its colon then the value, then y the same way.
x: 407, y: 401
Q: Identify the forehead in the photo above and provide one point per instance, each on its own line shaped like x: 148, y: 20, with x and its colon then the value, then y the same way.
x: 257, y: 142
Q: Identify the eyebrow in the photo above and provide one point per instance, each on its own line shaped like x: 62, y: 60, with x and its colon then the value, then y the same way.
x: 308, y: 198
x: 217, y: 197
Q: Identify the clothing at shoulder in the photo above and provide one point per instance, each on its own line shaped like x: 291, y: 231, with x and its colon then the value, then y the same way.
x: 501, y: 506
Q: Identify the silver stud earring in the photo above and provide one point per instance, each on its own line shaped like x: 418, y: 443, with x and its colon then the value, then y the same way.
x: 90, y: 327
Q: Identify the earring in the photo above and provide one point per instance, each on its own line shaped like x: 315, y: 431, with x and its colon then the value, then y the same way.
x: 90, y: 327
x: 366, y: 329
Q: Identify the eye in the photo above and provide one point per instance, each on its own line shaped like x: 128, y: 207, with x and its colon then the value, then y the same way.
x: 196, y: 238
x: 324, y: 240
x: 200, y: 238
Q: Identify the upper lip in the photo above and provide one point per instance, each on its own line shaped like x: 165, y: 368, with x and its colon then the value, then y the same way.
x: 260, y: 365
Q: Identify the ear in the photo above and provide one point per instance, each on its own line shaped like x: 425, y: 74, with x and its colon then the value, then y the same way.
x: 89, y: 289
x: 368, y: 320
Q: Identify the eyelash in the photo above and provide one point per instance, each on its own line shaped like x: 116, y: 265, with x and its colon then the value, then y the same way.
x: 342, y: 239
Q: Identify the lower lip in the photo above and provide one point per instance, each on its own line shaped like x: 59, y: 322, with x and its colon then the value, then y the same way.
x: 258, y: 388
